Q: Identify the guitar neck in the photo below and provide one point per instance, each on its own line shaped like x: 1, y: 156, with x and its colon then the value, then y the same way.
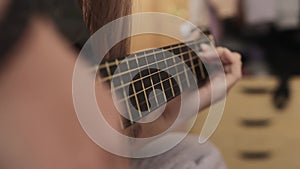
x: 171, y: 70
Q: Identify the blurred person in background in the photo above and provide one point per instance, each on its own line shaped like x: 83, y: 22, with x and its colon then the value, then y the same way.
x: 275, y: 27
x: 38, y: 124
x: 267, y: 33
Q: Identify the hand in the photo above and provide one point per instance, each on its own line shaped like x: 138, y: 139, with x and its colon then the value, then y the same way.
x: 232, y: 65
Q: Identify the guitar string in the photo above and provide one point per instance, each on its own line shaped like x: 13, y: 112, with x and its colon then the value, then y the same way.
x: 146, y: 98
x: 167, y: 68
x: 144, y: 89
x: 138, y: 68
x: 178, y: 74
x: 166, y: 79
x: 164, y: 60
x: 177, y: 46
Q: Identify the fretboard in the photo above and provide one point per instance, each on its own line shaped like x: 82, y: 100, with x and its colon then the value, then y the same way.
x: 171, y: 70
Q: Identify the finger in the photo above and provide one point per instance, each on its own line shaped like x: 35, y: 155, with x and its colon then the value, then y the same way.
x: 210, y: 58
x: 227, y: 69
x: 225, y: 55
x: 208, y: 54
x: 206, y: 47
x: 234, y: 72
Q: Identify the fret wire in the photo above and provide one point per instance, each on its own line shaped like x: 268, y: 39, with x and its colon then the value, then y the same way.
x: 134, y: 90
x: 177, y: 77
x: 127, y: 106
x: 192, y: 62
x: 117, y: 62
x: 176, y: 68
x: 160, y: 79
x: 149, y: 88
x: 108, y: 69
x: 201, y: 66
x: 144, y: 90
x: 136, y: 59
x: 179, y: 46
x: 152, y: 84
x: 184, y: 67
x: 179, y: 73
x: 170, y: 81
x: 138, y: 68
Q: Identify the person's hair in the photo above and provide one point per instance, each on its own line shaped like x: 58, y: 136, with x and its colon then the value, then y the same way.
x: 98, y: 13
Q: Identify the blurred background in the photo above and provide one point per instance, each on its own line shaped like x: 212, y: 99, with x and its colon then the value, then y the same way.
x: 260, y: 125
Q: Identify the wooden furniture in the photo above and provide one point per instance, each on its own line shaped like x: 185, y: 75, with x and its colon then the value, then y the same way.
x: 252, y: 133
x: 175, y: 7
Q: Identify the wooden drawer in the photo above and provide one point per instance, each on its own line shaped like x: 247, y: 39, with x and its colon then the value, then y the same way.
x: 252, y: 133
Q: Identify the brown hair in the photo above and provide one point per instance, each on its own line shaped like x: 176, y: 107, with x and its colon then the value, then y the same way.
x: 98, y: 13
